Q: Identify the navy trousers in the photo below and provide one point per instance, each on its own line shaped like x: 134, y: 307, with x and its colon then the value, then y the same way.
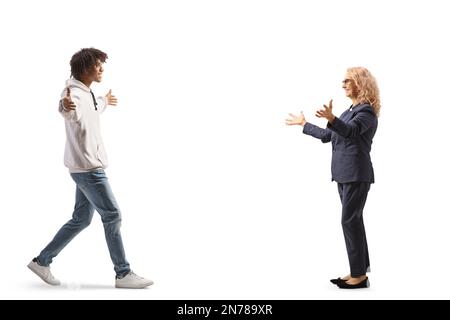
x: 353, y: 198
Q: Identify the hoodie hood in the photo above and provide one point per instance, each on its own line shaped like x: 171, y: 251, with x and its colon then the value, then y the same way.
x: 74, y: 83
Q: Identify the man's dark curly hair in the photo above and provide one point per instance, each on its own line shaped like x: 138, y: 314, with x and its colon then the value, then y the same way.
x: 84, y: 60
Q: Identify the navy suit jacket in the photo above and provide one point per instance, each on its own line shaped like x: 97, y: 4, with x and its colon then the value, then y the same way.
x: 351, y: 137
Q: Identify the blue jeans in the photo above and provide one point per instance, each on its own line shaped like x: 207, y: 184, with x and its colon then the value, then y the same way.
x: 93, y: 193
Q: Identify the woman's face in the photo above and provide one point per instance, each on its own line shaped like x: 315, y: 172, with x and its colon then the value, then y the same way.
x: 350, y: 87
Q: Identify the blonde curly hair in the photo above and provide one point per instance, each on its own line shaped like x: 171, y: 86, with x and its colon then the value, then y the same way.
x: 367, y: 87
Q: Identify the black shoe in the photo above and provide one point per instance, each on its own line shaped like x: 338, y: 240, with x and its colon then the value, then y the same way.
x: 363, y: 284
x: 336, y: 281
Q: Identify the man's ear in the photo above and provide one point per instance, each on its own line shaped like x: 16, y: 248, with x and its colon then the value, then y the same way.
x: 87, y: 72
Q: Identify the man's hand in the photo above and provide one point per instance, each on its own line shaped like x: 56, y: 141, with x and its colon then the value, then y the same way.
x: 110, y: 99
x: 296, y: 120
x: 68, y: 104
x: 326, y: 112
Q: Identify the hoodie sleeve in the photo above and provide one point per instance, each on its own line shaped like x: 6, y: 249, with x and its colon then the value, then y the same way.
x: 70, y: 115
x: 101, y: 103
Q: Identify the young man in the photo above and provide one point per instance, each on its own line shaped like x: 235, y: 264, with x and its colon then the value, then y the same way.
x: 85, y: 157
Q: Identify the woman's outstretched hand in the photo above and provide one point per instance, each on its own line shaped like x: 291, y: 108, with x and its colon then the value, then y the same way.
x: 296, y: 120
x: 326, y: 112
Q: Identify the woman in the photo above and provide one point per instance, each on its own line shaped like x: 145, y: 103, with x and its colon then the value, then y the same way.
x: 351, y: 136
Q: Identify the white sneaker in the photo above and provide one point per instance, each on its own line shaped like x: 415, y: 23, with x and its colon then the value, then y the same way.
x: 44, y: 273
x: 133, y: 281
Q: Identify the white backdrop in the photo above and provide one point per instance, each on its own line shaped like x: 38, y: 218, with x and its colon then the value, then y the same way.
x: 220, y: 200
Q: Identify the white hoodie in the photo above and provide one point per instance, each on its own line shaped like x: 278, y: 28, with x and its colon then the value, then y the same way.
x: 84, y: 145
